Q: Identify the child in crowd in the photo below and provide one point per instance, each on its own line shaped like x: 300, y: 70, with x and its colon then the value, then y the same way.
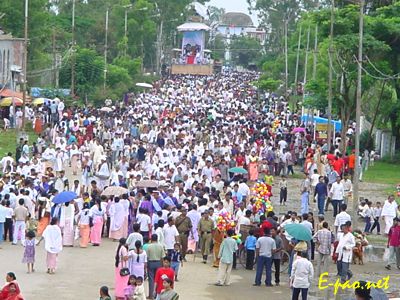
x: 250, y: 245
x: 164, y: 272
x: 358, y: 250
x: 129, y: 291
x: 269, y: 181
x: 176, y: 259
x: 29, y: 252
x: 139, y: 293
x: 368, y: 216
x: 376, y: 214
x: 283, y: 190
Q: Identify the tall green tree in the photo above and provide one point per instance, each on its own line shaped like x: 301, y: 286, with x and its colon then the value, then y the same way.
x: 245, y: 50
x: 386, y: 27
x: 89, y: 71
x: 273, y: 15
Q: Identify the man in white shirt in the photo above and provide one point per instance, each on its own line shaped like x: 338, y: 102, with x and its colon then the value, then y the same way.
x: 134, y: 236
x: 348, y: 188
x: 171, y: 235
x: 389, y: 212
x: 337, y: 195
x: 3, y: 215
x: 345, y: 253
x: 208, y: 171
x: 244, y: 220
x: 314, y: 181
x: 218, y: 184
x: 341, y: 219
x: 301, y: 275
x: 244, y: 190
x: 144, y: 220
x: 292, y: 220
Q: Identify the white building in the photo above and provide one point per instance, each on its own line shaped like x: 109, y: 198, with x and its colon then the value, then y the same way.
x: 239, y: 24
x: 11, y: 58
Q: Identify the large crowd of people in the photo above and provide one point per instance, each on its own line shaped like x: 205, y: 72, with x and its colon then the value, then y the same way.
x: 167, y: 153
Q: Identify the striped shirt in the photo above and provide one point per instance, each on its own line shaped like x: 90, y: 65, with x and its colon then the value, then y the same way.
x: 324, y: 238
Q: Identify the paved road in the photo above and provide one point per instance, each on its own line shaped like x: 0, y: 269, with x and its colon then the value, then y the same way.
x: 82, y: 271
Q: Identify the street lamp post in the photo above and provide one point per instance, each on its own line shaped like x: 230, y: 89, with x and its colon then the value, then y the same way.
x: 286, y: 57
x: 297, y: 61
x: 357, y: 169
x: 126, y: 28
x: 73, y: 51
x: 25, y: 63
x: 105, y: 53
x: 159, y: 46
x: 330, y: 88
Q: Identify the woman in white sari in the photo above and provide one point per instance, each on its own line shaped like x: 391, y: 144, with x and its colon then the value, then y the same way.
x: 67, y: 218
x: 117, y: 222
x: 103, y: 173
x: 53, y: 244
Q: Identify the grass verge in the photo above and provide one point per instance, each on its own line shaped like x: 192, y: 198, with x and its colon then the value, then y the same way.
x: 383, y: 172
x: 8, y: 139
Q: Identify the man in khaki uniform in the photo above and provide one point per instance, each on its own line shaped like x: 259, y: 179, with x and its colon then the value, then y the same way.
x: 205, y: 229
x: 184, y: 226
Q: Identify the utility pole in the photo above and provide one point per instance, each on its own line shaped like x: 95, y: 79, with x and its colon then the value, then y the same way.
x: 159, y: 46
x: 315, y: 58
x: 357, y: 168
x: 306, y: 62
x: 25, y: 64
x: 126, y: 31
x: 330, y: 87
x: 73, y: 52
x: 54, y: 58
x: 286, y: 56
x: 297, y: 60
x: 314, y: 73
x: 105, y: 53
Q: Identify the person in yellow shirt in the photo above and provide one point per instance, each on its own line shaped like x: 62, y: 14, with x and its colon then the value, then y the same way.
x: 269, y: 181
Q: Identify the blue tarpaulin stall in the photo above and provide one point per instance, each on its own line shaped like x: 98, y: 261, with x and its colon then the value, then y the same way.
x: 319, y: 120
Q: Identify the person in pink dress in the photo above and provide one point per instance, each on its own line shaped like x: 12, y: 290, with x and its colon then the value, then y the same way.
x: 121, y: 258
x: 97, y: 212
x: 253, y: 166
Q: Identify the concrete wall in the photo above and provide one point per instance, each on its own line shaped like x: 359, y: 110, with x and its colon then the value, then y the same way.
x: 11, y: 53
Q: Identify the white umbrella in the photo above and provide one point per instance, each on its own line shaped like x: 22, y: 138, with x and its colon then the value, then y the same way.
x: 144, y: 85
x: 106, y: 109
x: 114, y: 191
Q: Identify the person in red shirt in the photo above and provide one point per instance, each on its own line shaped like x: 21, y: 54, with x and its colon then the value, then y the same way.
x: 352, y: 164
x: 394, y: 244
x: 338, y: 164
x: 240, y: 160
x: 164, y: 272
x: 331, y: 157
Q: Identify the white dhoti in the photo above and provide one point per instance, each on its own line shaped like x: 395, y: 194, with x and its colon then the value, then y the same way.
x: 388, y: 223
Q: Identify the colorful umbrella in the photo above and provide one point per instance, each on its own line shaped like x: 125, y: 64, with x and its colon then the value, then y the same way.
x: 8, y: 101
x: 41, y: 101
x: 114, y: 191
x: 298, y: 129
x: 63, y: 197
x: 238, y: 170
x: 298, y: 231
